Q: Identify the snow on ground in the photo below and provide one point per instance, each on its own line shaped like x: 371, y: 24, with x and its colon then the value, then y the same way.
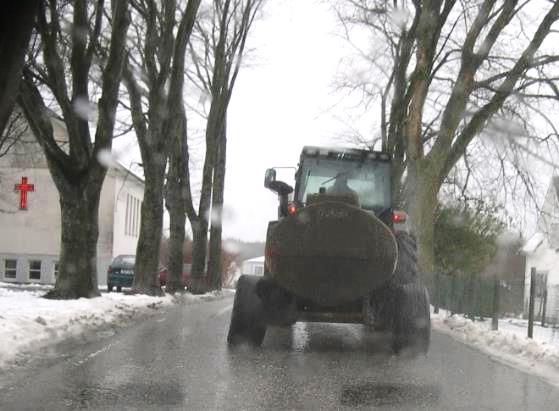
x: 29, y: 323
x: 509, y: 344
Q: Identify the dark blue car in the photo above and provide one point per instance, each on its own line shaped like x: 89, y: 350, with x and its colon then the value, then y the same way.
x: 121, y: 272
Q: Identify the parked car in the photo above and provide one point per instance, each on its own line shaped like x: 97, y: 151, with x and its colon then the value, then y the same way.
x: 163, y: 272
x: 121, y: 272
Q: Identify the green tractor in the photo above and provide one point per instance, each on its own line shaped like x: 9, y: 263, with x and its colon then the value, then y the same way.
x: 338, y: 253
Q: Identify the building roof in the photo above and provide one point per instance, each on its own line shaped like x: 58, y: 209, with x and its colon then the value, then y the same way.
x: 533, y: 243
x: 121, y: 168
x: 255, y: 260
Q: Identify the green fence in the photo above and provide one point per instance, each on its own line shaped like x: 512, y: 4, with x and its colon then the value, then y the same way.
x: 476, y: 296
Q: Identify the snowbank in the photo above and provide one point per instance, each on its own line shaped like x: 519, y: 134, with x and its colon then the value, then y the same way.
x: 508, y: 344
x: 29, y: 323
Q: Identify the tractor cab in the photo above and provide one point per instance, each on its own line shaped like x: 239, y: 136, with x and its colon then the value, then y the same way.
x: 358, y: 177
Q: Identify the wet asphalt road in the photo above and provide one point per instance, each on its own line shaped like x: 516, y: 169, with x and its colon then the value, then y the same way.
x: 178, y: 360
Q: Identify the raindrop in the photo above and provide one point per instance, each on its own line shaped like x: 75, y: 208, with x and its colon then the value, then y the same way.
x: 204, y: 97
x: 81, y: 33
x: 106, y: 158
x: 84, y: 108
x: 399, y: 17
x: 231, y: 247
x: 507, y: 239
x: 484, y: 48
x: 303, y: 217
x: 458, y: 220
x: 215, y: 216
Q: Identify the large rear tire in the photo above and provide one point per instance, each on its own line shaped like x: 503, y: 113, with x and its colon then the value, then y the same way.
x: 384, y: 300
x: 411, y: 330
x: 402, y: 307
x: 247, y: 324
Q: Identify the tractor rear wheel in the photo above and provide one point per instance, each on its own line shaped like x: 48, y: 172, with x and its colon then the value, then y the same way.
x: 411, y: 330
x: 247, y: 323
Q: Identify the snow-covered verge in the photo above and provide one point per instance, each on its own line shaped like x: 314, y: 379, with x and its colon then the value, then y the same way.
x: 509, y: 344
x: 29, y: 323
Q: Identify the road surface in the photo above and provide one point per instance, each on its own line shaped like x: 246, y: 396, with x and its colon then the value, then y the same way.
x: 178, y: 359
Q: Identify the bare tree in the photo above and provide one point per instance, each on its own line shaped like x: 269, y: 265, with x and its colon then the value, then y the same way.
x: 16, y: 24
x: 73, y: 49
x: 216, y: 49
x: 450, y: 68
x: 16, y: 127
x: 154, y: 77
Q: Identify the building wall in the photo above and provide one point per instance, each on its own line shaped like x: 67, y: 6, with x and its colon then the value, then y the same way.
x: 545, y: 258
x: 48, y: 263
x: 37, y: 229
x: 253, y: 267
x: 546, y: 261
x: 105, y: 239
x: 35, y: 233
x: 128, y: 197
x: 548, y: 221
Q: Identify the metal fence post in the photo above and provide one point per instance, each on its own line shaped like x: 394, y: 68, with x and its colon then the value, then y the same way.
x: 437, y: 293
x: 495, y: 321
x: 544, y: 305
x: 531, y: 304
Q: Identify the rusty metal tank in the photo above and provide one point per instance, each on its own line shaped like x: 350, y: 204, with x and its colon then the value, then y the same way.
x: 330, y: 251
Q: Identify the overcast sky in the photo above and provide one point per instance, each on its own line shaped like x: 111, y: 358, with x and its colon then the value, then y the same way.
x: 280, y: 104
x: 282, y: 101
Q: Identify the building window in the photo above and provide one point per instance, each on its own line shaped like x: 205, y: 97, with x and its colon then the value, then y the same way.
x: 554, y: 235
x: 126, y: 230
x: 135, y: 213
x: 139, y: 218
x: 35, y: 269
x: 258, y: 270
x: 55, y: 269
x: 10, y: 268
x: 132, y: 217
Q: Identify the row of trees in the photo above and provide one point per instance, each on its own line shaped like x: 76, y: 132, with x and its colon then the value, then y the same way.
x: 444, y: 72
x: 454, y: 80
x: 92, y: 64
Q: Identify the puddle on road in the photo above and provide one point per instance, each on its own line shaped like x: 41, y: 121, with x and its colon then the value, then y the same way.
x: 382, y: 394
x: 132, y: 394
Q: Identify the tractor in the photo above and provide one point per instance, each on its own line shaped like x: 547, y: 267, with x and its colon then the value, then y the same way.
x: 339, y: 252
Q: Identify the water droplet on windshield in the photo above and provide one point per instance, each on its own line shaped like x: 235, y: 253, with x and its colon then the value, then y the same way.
x: 84, y: 108
x: 106, y: 158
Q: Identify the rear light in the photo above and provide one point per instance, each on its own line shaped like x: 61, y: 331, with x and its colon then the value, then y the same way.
x: 291, y: 208
x: 399, y: 217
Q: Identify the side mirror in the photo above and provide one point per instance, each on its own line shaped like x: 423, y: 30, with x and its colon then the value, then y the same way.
x: 269, y: 177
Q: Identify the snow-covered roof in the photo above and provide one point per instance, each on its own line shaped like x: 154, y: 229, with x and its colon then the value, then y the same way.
x: 255, y: 260
x: 533, y: 243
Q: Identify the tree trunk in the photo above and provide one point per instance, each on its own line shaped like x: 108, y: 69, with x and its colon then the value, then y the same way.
x: 200, y: 226
x: 177, y: 217
x: 16, y: 24
x: 214, y: 260
x: 77, y: 275
x: 421, y: 200
x: 146, y: 278
x: 199, y: 250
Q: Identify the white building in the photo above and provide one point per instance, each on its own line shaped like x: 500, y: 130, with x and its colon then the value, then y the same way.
x: 542, y: 253
x: 254, y: 266
x: 30, y: 215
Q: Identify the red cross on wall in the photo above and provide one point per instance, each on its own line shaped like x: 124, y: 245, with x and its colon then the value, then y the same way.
x: 23, y: 188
